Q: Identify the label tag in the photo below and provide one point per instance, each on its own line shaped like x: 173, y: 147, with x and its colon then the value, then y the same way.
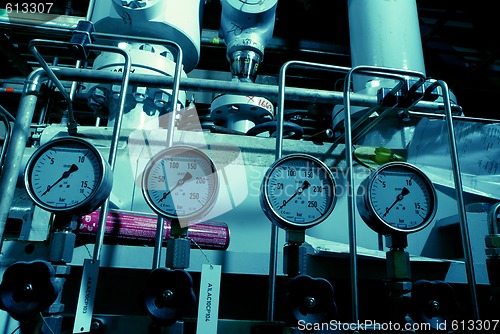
x: 208, y: 306
x: 85, y: 307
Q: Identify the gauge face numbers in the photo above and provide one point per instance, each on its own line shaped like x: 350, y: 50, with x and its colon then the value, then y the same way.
x: 180, y: 182
x: 68, y: 175
x: 401, y: 197
x: 298, y: 192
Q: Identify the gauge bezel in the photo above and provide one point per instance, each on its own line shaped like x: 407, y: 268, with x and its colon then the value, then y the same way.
x: 367, y: 210
x: 102, y: 188
x: 275, y: 217
x: 190, y: 217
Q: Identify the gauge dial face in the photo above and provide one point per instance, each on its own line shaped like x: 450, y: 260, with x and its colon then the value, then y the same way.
x: 298, y: 192
x: 68, y: 175
x: 180, y: 182
x: 401, y: 197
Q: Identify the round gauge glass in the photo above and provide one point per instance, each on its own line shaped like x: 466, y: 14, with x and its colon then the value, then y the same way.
x: 397, y: 197
x: 180, y: 182
x: 68, y: 175
x: 298, y: 192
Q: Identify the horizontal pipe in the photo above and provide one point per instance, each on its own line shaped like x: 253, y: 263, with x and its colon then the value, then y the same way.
x: 229, y: 87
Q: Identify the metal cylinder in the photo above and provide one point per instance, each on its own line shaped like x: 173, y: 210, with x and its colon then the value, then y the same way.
x: 175, y: 20
x: 139, y: 229
x: 384, y: 34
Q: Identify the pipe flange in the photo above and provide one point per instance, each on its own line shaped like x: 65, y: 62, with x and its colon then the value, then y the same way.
x: 240, y: 113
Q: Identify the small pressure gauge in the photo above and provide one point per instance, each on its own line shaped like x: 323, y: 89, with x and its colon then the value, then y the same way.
x: 68, y: 175
x: 298, y: 192
x: 397, y: 198
x: 180, y: 182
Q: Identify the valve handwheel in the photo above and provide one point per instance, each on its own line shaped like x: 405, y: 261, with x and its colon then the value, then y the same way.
x: 27, y: 289
x: 169, y: 295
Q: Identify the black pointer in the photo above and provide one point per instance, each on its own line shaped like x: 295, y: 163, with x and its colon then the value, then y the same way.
x: 404, y: 192
x: 67, y: 173
x: 303, y: 187
x: 186, y: 177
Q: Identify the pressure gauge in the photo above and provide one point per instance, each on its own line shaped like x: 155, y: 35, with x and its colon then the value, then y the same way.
x: 298, y: 192
x: 397, y: 197
x: 68, y: 175
x: 180, y: 182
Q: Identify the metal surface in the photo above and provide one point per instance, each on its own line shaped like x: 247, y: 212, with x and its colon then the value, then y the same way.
x: 339, y: 255
x: 388, y: 73
x: 457, y: 177
x: 15, y: 151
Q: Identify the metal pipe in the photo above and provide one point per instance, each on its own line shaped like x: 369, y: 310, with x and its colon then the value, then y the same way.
x: 115, y: 138
x: 273, y: 255
x: 55, y: 80
x: 175, y: 95
x: 351, y: 218
x: 395, y: 74
x: 90, y: 10
x: 464, y: 227
x: 160, y: 226
x: 15, y: 150
x: 241, y: 88
x: 11, y: 90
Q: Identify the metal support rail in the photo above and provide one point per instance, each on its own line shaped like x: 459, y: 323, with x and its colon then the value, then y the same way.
x: 367, y: 70
x: 273, y: 255
x: 464, y: 227
x: 116, y: 130
x: 400, y: 76
x: 69, y: 98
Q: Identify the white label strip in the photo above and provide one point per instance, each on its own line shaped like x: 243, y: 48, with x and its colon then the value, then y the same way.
x: 85, y: 307
x: 208, y: 306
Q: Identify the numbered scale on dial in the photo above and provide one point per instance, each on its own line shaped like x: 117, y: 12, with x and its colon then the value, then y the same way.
x: 180, y: 182
x: 397, y: 198
x: 298, y: 192
x: 68, y: 175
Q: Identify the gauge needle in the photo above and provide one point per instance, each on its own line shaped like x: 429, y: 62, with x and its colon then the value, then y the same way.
x: 67, y: 173
x: 403, y: 193
x: 303, y: 187
x: 186, y: 177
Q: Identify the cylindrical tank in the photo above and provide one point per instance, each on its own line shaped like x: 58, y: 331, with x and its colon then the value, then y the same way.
x: 174, y: 20
x: 386, y: 34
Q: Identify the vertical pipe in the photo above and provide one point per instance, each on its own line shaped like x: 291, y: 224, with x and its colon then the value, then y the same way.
x: 464, y: 227
x: 278, y: 154
x: 399, y: 77
x: 351, y: 218
x: 15, y: 151
x: 114, y: 141
x: 160, y: 223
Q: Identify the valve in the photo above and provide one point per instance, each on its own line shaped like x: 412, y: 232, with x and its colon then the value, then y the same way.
x: 169, y: 295
x: 28, y: 288
x: 311, y: 299
x: 434, y: 303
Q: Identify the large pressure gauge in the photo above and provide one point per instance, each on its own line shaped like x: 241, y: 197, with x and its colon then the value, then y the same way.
x: 180, y: 182
x: 68, y: 175
x: 298, y: 192
x: 397, y: 198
